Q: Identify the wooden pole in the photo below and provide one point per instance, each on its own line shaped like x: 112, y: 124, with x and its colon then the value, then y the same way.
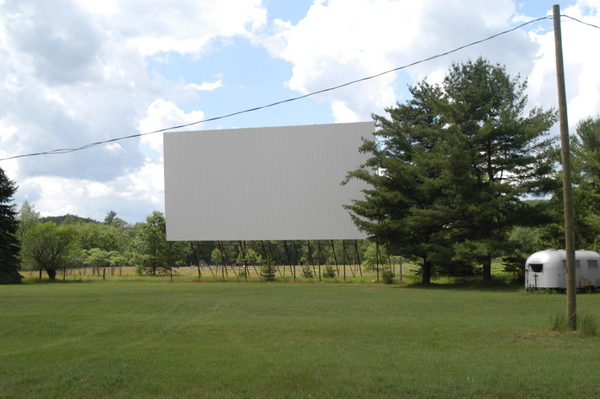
x: 337, y: 267
x: 377, y: 259
x: 566, y: 169
x: 244, y: 260
x: 401, y: 269
x: 222, y: 260
x: 344, y: 256
x: 289, y: 259
x: 196, y: 258
x: 310, y: 257
x: 319, y: 258
x: 211, y: 270
x: 272, y: 258
x: 357, y: 257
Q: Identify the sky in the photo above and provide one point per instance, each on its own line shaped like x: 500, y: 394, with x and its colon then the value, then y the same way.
x: 82, y: 71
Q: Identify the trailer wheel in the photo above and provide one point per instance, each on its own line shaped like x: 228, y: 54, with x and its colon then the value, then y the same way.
x: 589, y: 289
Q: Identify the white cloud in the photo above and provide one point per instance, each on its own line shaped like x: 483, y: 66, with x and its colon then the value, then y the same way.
x: 159, y: 115
x: 339, y: 41
x: 133, y: 196
x: 74, y: 72
x: 105, y: 7
x: 182, y: 26
x: 581, y: 64
x: 8, y: 134
x: 205, y: 86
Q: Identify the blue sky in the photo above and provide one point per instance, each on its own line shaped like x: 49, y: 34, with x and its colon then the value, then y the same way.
x: 80, y: 71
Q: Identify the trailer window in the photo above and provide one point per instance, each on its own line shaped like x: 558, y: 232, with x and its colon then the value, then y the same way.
x: 536, y: 267
x: 593, y: 263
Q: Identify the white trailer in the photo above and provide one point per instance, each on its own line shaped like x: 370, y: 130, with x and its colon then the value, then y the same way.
x: 548, y: 270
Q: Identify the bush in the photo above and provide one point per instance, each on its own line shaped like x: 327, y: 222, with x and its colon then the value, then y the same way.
x: 516, y: 266
x: 307, y: 272
x: 267, y: 273
x: 140, y: 270
x: 373, y: 256
x: 329, y: 272
x: 387, y: 275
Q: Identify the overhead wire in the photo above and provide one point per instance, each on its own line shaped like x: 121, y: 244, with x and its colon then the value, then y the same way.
x: 423, y: 60
x: 580, y: 21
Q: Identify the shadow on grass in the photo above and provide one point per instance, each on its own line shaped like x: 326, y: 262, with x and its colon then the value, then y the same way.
x: 475, y: 284
x: 56, y: 281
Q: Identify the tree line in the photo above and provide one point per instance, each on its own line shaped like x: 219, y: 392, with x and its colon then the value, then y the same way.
x: 52, y: 244
x: 459, y: 175
x: 55, y: 244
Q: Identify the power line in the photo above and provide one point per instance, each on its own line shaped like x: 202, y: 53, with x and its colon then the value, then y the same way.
x: 97, y: 143
x: 580, y: 21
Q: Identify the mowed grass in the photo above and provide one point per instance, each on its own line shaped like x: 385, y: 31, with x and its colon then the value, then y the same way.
x: 273, y: 340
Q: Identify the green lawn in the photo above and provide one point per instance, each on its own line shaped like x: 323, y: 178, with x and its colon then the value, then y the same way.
x: 259, y: 340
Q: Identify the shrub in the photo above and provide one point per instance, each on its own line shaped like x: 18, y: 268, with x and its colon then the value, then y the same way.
x: 267, y: 273
x: 387, y: 275
x: 329, y: 272
x: 373, y: 256
x: 307, y: 272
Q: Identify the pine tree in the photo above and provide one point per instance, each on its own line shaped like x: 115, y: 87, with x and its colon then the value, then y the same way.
x: 585, y: 156
x: 507, y: 155
x: 267, y: 272
x: 9, y: 244
x: 449, y: 168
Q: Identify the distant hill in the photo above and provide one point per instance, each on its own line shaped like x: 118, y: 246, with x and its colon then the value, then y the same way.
x: 67, y: 219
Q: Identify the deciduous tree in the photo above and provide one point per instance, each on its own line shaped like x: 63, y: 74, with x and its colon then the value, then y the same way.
x: 156, y: 254
x: 49, y: 247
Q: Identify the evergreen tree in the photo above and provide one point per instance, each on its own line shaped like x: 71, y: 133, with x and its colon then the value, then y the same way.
x: 586, y: 178
x: 268, y: 271
x: 9, y: 244
x: 508, y: 156
x: 585, y: 156
x: 449, y: 168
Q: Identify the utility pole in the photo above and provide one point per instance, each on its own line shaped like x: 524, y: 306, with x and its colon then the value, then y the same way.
x: 566, y: 169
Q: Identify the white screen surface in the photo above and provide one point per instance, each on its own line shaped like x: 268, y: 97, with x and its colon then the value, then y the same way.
x: 276, y: 183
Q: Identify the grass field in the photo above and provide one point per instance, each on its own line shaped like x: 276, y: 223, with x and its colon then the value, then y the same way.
x: 345, y: 273
x: 272, y: 340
